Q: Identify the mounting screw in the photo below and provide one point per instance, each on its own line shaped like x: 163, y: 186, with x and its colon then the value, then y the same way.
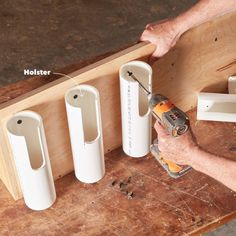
x: 19, y: 122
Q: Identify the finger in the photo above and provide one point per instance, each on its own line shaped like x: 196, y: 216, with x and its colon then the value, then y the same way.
x: 148, y: 26
x: 155, y: 23
x: 160, y: 130
x: 152, y: 59
x: 145, y: 36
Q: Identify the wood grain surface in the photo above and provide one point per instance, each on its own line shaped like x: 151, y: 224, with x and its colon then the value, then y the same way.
x: 201, y: 61
x: 160, y: 205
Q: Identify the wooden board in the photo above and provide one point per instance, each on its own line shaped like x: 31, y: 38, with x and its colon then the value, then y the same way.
x: 160, y: 206
x: 202, y: 60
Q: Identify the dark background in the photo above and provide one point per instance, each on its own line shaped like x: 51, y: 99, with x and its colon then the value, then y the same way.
x: 44, y: 34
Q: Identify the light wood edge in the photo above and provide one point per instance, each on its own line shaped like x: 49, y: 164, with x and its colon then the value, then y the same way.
x: 139, y: 50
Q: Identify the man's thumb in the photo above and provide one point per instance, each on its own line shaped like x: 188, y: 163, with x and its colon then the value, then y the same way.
x: 160, y: 129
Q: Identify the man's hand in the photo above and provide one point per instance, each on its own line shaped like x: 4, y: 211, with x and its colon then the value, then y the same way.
x: 176, y: 149
x: 183, y: 150
x: 164, y: 34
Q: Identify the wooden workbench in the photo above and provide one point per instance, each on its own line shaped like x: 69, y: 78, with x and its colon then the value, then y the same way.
x: 160, y: 205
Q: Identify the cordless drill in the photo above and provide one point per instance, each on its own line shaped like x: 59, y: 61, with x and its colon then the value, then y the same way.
x: 176, y: 123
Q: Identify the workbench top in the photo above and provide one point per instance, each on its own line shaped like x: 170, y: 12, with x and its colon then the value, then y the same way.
x: 159, y: 205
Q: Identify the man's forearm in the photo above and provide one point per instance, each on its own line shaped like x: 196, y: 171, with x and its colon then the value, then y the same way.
x: 221, y: 169
x: 203, y: 11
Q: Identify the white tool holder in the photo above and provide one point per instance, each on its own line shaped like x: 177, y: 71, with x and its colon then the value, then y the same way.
x: 232, y: 85
x: 85, y: 126
x: 135, y: 111
x: 29, y: 147
x: 217, y: 106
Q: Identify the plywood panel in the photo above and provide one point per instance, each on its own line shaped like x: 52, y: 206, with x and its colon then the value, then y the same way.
x: 202, y: 60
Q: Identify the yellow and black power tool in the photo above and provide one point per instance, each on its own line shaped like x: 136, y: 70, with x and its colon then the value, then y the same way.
x: 174, y: 120
x: 176, y: 123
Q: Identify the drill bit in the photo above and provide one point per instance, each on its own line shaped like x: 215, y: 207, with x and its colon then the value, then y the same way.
x: 134, y: 78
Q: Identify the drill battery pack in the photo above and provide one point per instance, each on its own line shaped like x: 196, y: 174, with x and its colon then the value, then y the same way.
x: 174, y: 170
